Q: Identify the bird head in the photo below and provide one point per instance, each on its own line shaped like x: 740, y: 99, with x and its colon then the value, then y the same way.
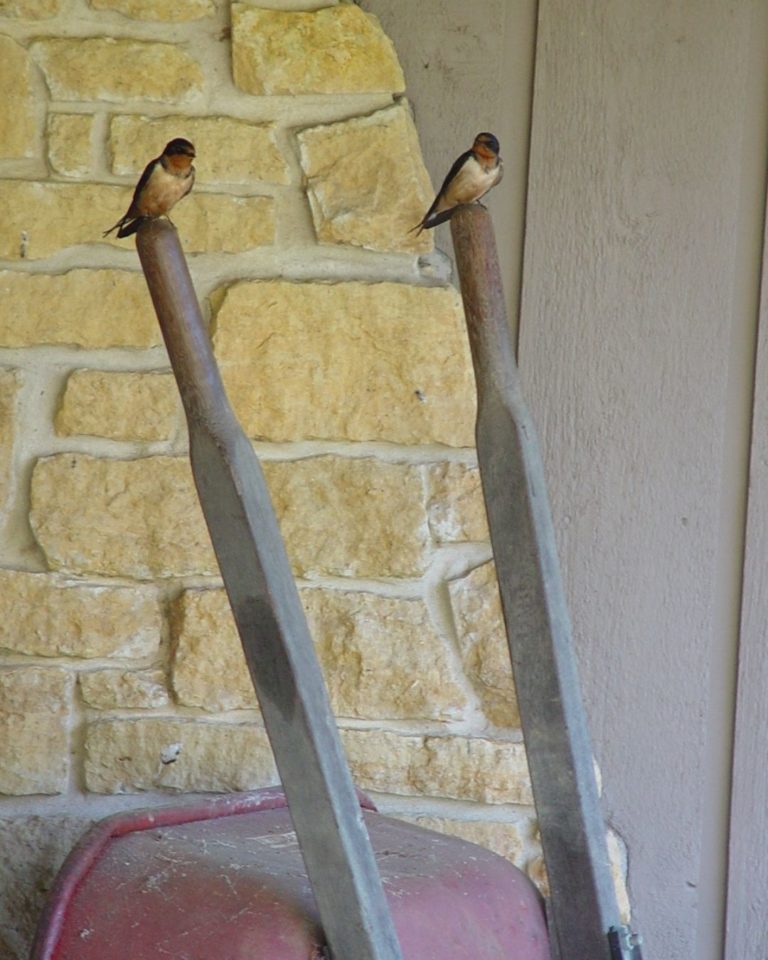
x: 486, y: 146
x: 179, y: 148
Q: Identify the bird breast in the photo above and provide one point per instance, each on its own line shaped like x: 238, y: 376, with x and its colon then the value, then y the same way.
x: 163, y: 190
x: 471, y: 183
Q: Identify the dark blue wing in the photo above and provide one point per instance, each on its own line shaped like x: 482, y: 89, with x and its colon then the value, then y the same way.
x: 457, y: 165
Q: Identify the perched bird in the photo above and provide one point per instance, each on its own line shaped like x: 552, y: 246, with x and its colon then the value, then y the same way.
x: 469, y: 179
x: 165, y: 180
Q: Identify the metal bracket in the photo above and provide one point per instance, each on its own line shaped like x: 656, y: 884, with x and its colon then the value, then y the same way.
x: 624, y: 944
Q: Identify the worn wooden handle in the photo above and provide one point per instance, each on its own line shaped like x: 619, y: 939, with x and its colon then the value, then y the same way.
x: 271, y: 622
x: 583, y: 900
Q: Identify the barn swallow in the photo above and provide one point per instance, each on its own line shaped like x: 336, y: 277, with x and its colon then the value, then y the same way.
x: 165, y: 180
x: 469, y: 179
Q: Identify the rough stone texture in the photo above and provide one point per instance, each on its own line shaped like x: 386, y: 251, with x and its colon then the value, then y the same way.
x: 336, y: 49
x: 340, y: 347
x: 103, y: 68
x: 10, y: 382
x: 366, y: 181
x: 228, y: 150
x: 483, y: 642
x: 44, y: 616
x: 30, y: 9
x: 121, y: 406
x: 208, y: 668
x: 381, y: 657
x: 140, y: 518
x: 136, y: 518
x: 86, y: 308
x: 158, y: 9
x: 32, y: 849
x: 455, y: 506
x: 41, y: 218
x: 18, y: 126
x: 351, y: 518
x: 129, y: 756
x: 461, y: 768
x: 69, y: 143
x: 34, y: 739
x: 124, y: 689
x: 219, y: 223
x: 509, y: 840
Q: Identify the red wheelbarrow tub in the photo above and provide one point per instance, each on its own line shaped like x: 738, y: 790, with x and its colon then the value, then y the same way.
x: 223, y: 879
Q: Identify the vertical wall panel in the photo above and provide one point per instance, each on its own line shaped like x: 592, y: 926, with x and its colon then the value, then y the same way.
x: 632, y: 304
x: 747, y: 915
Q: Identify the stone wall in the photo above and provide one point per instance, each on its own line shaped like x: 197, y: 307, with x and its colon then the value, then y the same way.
x: 343, y: 350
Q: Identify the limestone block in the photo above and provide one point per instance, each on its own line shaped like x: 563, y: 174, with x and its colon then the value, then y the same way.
x: 121, y: 406
x: 357, y: 361
x: 219, y: 223
x: 10, y: 382
x: 208, y: 668
x: 32, y: 848
x: 381, y: 657
x: 43, y: 615
x: 228, y: 150
x: 42, y: 218
x: 34, y: 735
x: 124, y: 689
x: 483, y: 642
x: 336, y: 49
x: 508, y: 839
x: 69, y: 143
x: 140, y: 518
x: 95, y: 309
x: 29, y: 9
x: 351, y: 518
x: 460, y: 768
x: 158, y: 9
x: 166, y: 753
x: 136, y: 518
x: 366, y: 181
x: 455, y: 507
x: 103, y: 68
x: 18, y: 127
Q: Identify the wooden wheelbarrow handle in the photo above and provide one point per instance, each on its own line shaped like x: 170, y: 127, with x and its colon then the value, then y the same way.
x: 271, y: 622
x: 585, y: 918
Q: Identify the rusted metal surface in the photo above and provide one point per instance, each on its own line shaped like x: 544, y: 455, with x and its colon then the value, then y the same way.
x: 583, y: 901
x: 270, y: 621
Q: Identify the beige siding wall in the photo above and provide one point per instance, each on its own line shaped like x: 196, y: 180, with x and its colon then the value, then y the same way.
x: 641, y: 279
